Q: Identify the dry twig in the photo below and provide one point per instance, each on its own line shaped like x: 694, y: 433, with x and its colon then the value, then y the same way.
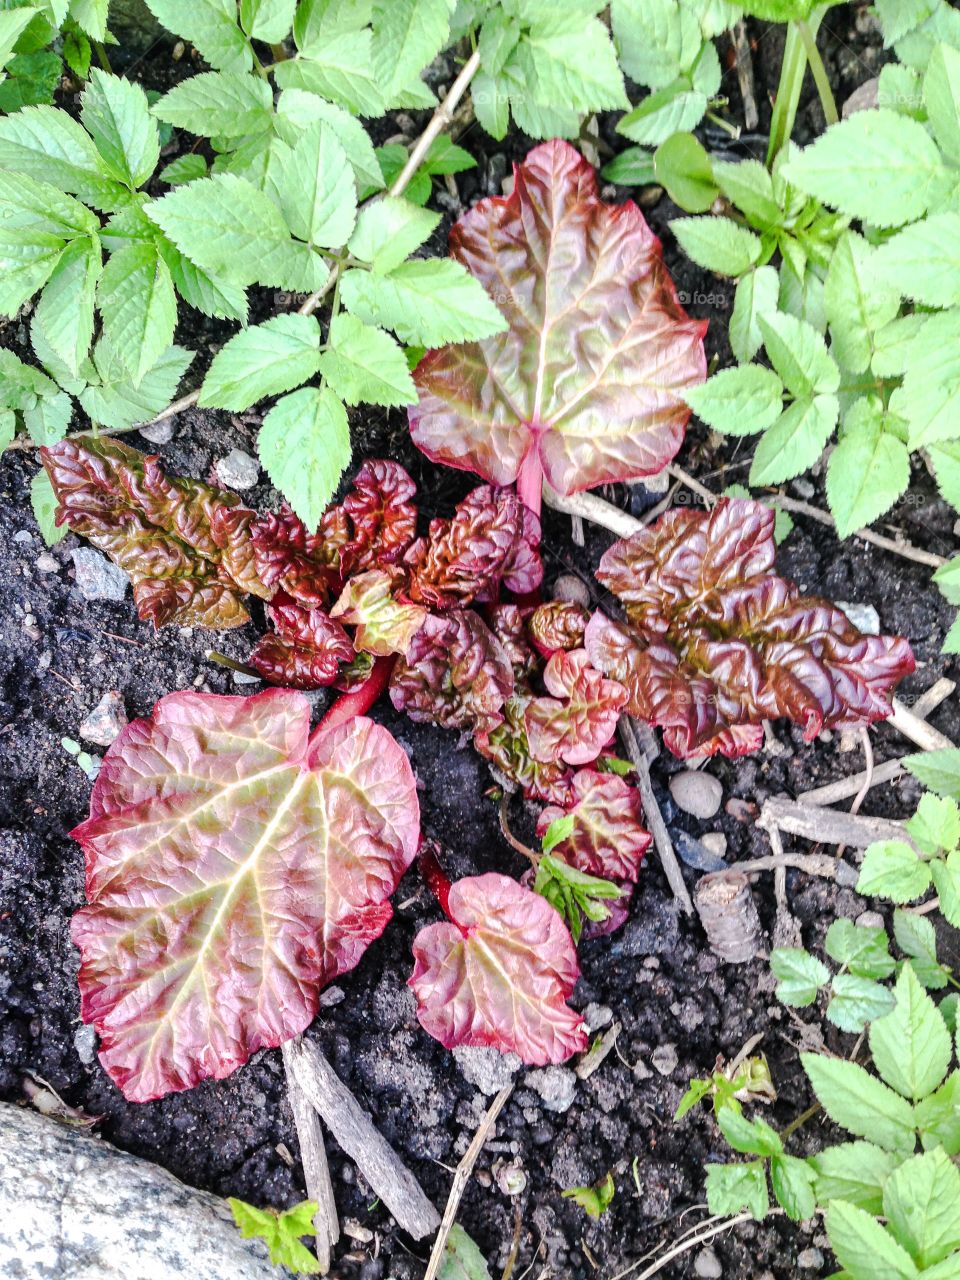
x: 658, y: 828
x: 313, y: 1157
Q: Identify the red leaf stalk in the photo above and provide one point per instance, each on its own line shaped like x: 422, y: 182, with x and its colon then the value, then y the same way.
x: 433, y: 874
x: 530, y: 481
x: 359, y: 702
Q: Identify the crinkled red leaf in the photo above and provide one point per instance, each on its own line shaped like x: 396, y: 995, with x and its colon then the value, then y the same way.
x: 234, y: 866
x: 372, y: 527
x: 305, y: 649
x: 508, y: 625
x: 608, y: 837
x: 508, y: 750
x: 588, y: 383
x: 581, y: 718
x: 716, y: 643
x: 493, y: 539
x: 383, y: 624
x: 455, y: 673
x: 498, y: 973
x: 185, y: 546
x: 558, y: 624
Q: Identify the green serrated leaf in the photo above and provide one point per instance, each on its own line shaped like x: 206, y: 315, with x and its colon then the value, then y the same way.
x: 45, y: 507
x: 911, y: 1046
x: 313, y: 184
x: 750, y: 1137
x: 734, y: 1187
x: 946, y: 879
x: 922, y: 262
x: 941, y: 98
x: 937, y: 770
x: 856, y: 1001
x: 212, y: 26
x: 892, y: 869
x: 281, y: 1232
x: 407, y: 36
x: 337, y: 66
x: 363, y: 363
x: 863, y: 949
x: 46, y: 144
x: 793, y: 1182
x: 267, y: 20
x: 916, y: 938
x: 756, y: 295
x: 680, y: 163
x: 186, y: 168
x: 594, y: 1201
x: 461, y: 1259
x: 389, y: 230
x: 304, y: 444
x: 795, y: 441
x: 868, y: 470
x: 297, y: 110
x: 116, y: 403
x: 138, y: 306
x: 921, y: 1202
x: 863, y: 1248
x: 857, y: 304
x: 718, y: 244
x: 860, y: 1103
x: 938, y: 1115
x: 799, y: 975
x: 738, y: 401
x: 116, y: 114
x: 66, y: 306
x: 853, y: 1171
x: 225, y: 104
x: 935, y: 826
x: 263, y: 360
x: 748, y: 185
x: 48, y: 420
x: 428, y: 302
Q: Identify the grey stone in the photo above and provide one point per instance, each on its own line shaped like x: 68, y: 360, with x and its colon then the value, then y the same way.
x: 243, y: 677
x: 697, y: 792
x: 557, y: 1086
x: 488, y: 1070
x: 863, y: 616
x: 105, y: 721
x: 238, y: 470
x: 715, y: 842
x: 863, y: 98
x: 72, y: 1207
x: 869, y: 920
x: 707, y: 1265
x: 96, y: 577
x: 46, y: 563
x: 665, y: 1059
x: 85, y: 1043
x: 810, y: 1260
x: 159, y: 432
x: 597, y: 1016
x: 572, y: 589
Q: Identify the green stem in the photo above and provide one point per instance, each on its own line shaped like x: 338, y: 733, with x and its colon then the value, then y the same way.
x: 222, y: 660
x: 791, y: 83
x: 102, y: 57
x: 820, y: 77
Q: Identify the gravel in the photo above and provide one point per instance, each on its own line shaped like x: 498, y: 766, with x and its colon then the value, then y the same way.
x: 557, y: 1086
x: 696, y: 792
x: 96, y: 578
x: 104, y: 723
x: 237, y: 470
x: 488, y: 1070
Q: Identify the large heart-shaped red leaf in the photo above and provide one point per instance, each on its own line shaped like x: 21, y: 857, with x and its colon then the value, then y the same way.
x: 498, y: 973
x: 234, y: 866
x: 588, y: 382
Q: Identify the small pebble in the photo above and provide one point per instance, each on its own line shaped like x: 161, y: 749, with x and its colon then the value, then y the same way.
x: 330, y: 996
x: 707, y: 1265
x: 803, y: 489
x: 863, y: 98
x: 160, y: 432
x: 105, y: 721
x: 665, y: 1059
x: 46, y: 563
x: 715, y: 842
x: 810, y: 1260
x: 597, y: 1016
x: 869, y: 920
x: 511, y: 1179
x: 356, y: 1231
x: 572, y: 589
x: 742, y: 810
x: 96, y: 577
x: 238, y: 470
x: 23, y: 535
x: 85, y: 1043
x: 696, y: 792
x: 241, y: 677
x: 863, y: 616
x: 849, y: 741
x: 557, y: 1086
x: 488, y: 1070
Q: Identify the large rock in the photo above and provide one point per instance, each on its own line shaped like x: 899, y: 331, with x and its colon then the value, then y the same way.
x: 74, y: 1208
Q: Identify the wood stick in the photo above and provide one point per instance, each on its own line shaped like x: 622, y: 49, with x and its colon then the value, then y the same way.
x: 658, y: 828
x: 462, y: 1177
x: 845, y: 787
x: 828, y: 826
x: 917, y: 730
x: 313, y: 1157
x: 597, y: 510
x: 814, y: 864
x: 905, y: 549
x: 741, y: 47
x: 353, y: 1129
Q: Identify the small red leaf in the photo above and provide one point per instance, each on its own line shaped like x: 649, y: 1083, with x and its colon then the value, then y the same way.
x: 234, y: 866
x: 507, y: 624
x: 508, y: 750
x: 579, y: 727
x: 716, y: 643
x: 293, y: 560
x: 185, y: 546
x: 305, y: 649
x: 498, y: 973
x: 383, y: 624
x: 559, y: 624
x: 455, y: 673
x: 608, y: 837
x: 492, y: 539
x: 589, y: 381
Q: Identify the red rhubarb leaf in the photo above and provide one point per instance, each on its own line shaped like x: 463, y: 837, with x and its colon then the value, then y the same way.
x: 455, y: 673
x: 372, y: 527
x: 185, y: 546
x: 305, y: 649
x: 588, y: 383
x: 493, y: 539
x: 508, y: 625
x: 498, y: 973
x: 233, y: 867
x: 383, y: 624
x: 558, y: 624
x: 581, y: 718
x: 716, y: 643
x: 608, y: 838
x: 507, y: 748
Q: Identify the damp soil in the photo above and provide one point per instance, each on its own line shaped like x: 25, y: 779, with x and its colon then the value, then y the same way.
x: 680, y: 1008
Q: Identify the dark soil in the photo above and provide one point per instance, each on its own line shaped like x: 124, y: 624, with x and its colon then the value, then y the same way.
x: 657, y: 976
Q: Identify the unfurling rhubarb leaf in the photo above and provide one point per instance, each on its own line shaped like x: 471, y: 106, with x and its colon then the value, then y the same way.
x: 559, y: 624
x: 507, y: 624
x: 372, y: 527
x: 185, y: 546
x: 234, y: 865
x: 607, y: 836
x: 577, y: 728
x: 455, y: 673
x: 588, y: 384
x: 493, y: 539
x: 498, y: 972
x: 305, y: 649
x: 716, y: 642
x: 507, y: 749
x: 383, y: 625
